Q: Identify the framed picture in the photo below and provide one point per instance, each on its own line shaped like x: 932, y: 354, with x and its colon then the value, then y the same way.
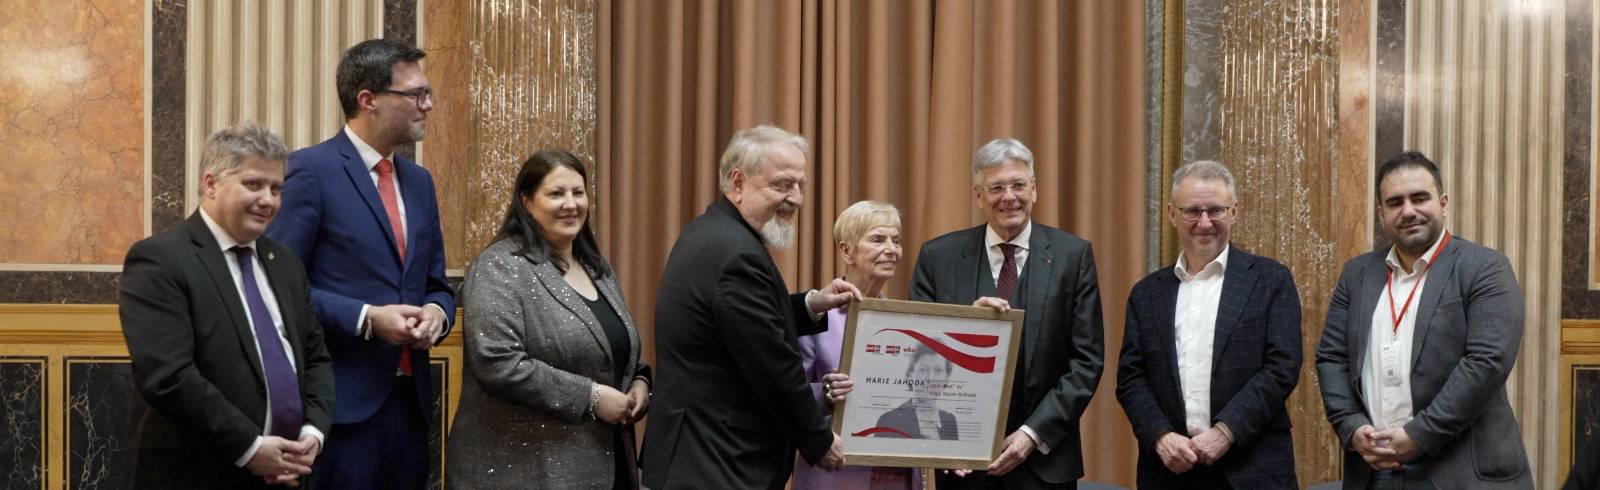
x: 932, y: 384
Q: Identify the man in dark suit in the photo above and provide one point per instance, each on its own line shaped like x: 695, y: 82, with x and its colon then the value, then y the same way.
x: 1013, y: 262
x: 1211, y: 352
x: 366, y: 222
x: 732, y: 403
x: 1419, y: 340
x: 225, y: 349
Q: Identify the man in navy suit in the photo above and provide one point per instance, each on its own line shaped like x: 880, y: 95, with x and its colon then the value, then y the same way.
x: 1211, y: 352
x: 366, y: 223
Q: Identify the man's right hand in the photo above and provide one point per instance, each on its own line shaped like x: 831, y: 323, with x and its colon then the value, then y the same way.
x: 1176, y: 452
x: 834, y: 460
x: 991, y: 302
x: 272, y: 463
x: 395, y: 324
x: 1372, y: 449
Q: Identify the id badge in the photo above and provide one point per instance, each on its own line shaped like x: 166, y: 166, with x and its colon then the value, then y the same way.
x: 1391, y: 364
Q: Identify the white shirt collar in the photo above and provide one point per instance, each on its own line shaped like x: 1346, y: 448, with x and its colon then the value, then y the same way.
x: 223, y: 239
x: 1394, y: 256
x: 1221, y: 263
x: 369, y: 155
x: 992, y: 238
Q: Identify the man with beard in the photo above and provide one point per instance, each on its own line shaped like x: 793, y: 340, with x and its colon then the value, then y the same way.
x: 732, y: 402
x: 366, y: 222
x: 1419, y: 340
x: 1012, y: 262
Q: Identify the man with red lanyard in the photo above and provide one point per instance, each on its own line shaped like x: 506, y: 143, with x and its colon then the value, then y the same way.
x: 1419, y: 340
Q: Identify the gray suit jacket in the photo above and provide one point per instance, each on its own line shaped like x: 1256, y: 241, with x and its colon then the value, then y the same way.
x: 1469, y: 327
x: 532, y: 350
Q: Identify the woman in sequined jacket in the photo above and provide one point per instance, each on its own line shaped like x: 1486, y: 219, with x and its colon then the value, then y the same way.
x: 554, y: 381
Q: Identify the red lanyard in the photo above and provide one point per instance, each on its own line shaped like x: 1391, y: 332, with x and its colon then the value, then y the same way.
x: 1402, y: 314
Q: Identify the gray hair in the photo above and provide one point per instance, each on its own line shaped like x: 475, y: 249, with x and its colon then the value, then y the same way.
x: 227, y: 148
x: 749, y: 148
x: 1203, y: 170
x: 999, y: 151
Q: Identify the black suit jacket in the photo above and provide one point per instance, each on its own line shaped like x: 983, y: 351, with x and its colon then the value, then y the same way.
x: 195, y: 360
x: 1062, y: 330
x: 1255, y: 364
x: 731, y: 402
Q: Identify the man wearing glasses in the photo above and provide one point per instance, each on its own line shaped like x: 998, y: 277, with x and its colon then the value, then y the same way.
x: 1211, y: 351
x: 365, y: 221
x: 1012, y: 262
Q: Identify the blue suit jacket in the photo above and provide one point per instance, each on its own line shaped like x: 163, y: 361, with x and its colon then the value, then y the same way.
x: 333, y: 219
x: 1255, y: 364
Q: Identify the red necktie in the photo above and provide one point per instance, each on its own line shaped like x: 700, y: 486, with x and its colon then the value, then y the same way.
x: 391, y: 206
x: 1008, y: 272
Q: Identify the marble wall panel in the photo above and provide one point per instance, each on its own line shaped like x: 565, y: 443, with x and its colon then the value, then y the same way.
x: 1278, y: 112
x: 22, y: 422
x: 100, y: 417
x: 1579, y: 299
x: 72, y: 104
x: 531, y: 85
x: 1585, y: 406
x: 446, y: 30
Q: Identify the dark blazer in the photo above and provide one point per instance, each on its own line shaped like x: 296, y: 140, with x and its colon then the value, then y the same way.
x: 1255, y: 365
x: 195, y: 360
x: 1468, y: 330
x: 533, y: 350
x: 333, y: 219
x: 904, y: 418
x: 1062, y: 330
x: 732, y: 403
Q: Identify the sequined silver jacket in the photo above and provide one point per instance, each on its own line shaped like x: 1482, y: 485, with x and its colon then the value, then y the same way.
x: 532, y: 350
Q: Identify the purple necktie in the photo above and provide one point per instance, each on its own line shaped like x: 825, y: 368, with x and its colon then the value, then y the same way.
x: 1008, y: 272
x: 282, y: 385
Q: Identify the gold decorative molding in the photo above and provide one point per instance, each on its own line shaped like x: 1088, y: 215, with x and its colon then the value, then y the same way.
x: 1580, y: 336
x: 35, y: 324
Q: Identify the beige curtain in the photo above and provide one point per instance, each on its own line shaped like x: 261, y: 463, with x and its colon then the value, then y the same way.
x: 895, y: 96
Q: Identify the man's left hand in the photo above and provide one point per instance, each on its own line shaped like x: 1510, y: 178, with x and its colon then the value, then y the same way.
x: 1405, y: 448
x: 835, y: 294
x: 1018, y: 447
x: 429, y: 326
x: 1210, y: 445
x: 836, y: 385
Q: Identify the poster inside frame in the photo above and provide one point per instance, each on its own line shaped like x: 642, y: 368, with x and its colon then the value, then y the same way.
x: 932, y: 384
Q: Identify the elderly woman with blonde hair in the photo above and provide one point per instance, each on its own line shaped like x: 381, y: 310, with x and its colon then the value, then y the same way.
x: 867, y: 235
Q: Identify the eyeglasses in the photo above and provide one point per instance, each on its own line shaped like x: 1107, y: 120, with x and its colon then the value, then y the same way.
x: 422, y: 95
x: 999, y: 189
x: 1214, y: 212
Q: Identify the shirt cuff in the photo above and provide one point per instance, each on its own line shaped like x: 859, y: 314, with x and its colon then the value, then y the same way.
x: 815, y: 315
x: 309, y: 430
x: 248, y: 453
x: 1226, y: 432
x: 362, y: 329
x: 1043, y: 448
x: 443, y: 332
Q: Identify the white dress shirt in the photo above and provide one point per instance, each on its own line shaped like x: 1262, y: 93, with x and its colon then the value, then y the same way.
x: 1195, y: 331
x: 1386, y: 373
x: 997, y: 259
x: 271, y: 300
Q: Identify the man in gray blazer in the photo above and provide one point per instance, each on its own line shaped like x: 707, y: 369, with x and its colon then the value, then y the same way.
x: 1013, y: 262
x: 1419, y: 340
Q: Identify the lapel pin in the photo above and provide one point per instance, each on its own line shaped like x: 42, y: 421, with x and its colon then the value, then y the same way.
x: 270, y: 256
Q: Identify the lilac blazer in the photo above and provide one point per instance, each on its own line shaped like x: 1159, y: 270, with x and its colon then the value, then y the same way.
x: 820, y: 355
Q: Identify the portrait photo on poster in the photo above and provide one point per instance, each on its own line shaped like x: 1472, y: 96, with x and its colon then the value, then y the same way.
x: 932, y: 383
